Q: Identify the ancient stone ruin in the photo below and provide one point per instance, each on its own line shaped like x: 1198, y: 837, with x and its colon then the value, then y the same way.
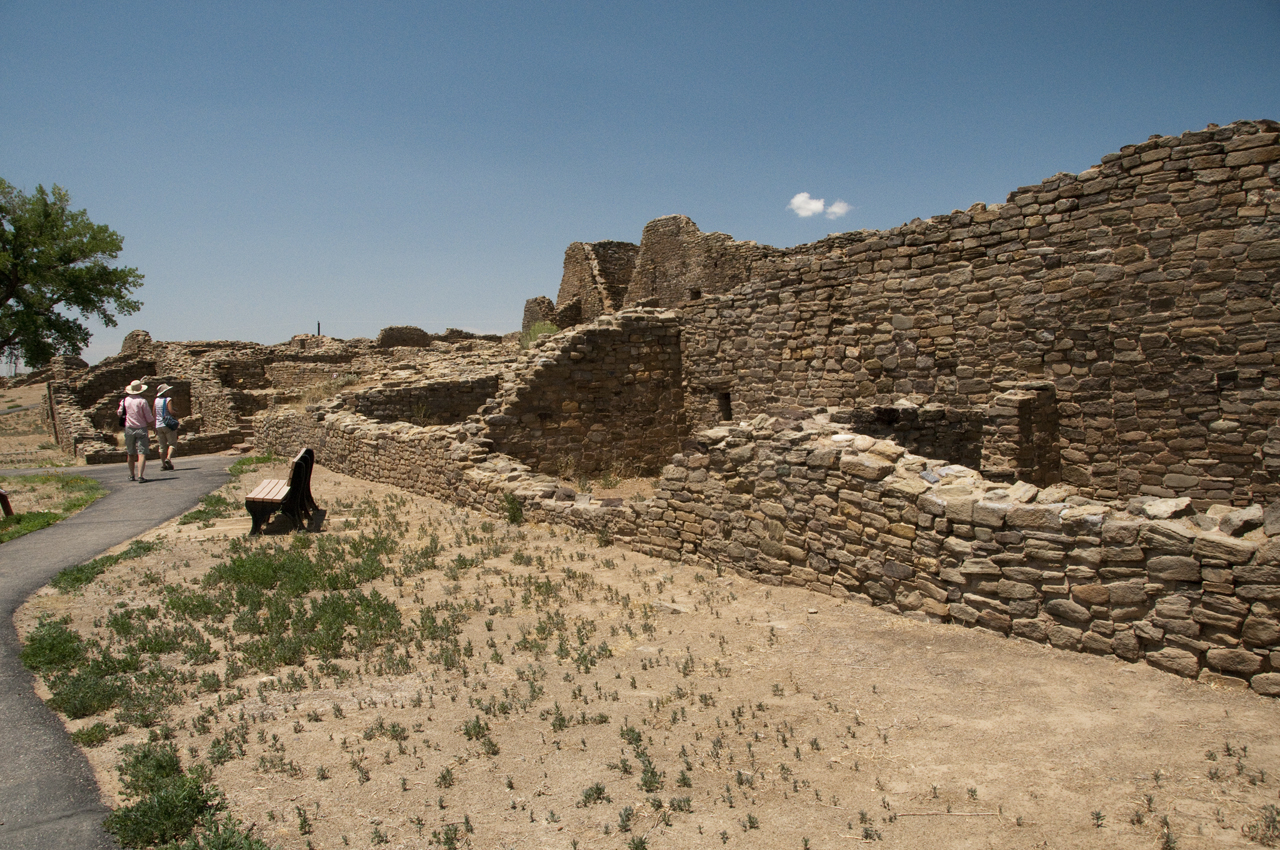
x: 1054, y: 418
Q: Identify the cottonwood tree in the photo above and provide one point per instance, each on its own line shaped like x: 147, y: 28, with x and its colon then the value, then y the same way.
x: 54, y: 260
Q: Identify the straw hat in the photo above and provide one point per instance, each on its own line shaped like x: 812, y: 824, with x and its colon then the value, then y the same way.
x: 136, y: 388
x: 162, y: 389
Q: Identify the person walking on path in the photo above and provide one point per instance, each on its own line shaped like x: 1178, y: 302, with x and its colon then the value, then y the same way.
x: 166, y: 426
x: 137, y: 417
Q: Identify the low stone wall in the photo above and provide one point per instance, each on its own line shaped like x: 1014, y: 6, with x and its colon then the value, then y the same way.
x: 855, y: 517
x: 453, y: 463
x: 295, y: 374
x: 436, y: 403
x: 851, y: 515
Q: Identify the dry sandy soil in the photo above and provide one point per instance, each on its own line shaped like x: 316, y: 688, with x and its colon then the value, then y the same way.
x: 771, y: 717
x: 24, y: 442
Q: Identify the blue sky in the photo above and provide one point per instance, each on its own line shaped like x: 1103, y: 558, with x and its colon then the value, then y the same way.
x: 275, y: 164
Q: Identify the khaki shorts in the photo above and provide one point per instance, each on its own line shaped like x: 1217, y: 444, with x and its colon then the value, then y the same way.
x: 167, y: 438
x: 135, y: 441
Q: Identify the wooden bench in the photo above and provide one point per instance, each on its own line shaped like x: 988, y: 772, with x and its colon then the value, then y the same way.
x: 291, y: 498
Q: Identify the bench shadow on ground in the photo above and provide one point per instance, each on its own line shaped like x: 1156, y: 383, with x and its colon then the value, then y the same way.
x: 281, y: 525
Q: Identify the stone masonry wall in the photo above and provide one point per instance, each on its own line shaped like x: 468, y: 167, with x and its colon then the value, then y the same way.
x: 851, y: 515
x: 595, y: 396
x: 860, y: 518
x: 436, y: 403
x: 1144, y: 289
x: 933, y: 431
x: 677, y: 263
x: 595, y: 280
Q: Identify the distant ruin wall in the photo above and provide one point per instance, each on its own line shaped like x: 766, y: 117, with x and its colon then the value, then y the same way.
x: 536, y: 310
x: 678, y: 263
x: 436, y: 403
x: 604, y: 394
x: 1144, y: 289
x: 595, y: 280
x: 403, y: 335
x: 292, y: 374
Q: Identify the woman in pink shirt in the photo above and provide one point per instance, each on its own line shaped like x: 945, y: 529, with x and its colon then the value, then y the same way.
x: 137, y: 418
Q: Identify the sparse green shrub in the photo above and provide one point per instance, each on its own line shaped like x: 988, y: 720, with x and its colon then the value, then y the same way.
x: 78, y: 576
x: 84, y: 693
x: 513, y: 509
x: 25, y: 523
x: 536, y: 331
x: 249, y: 464
x: 593, y: 794
x: 52, y: 646
x: 1265, y: 830
x: 96, y: 735
x: 169, y: 802
x: 213, y: 506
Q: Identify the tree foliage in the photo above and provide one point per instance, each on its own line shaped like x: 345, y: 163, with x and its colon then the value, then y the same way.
x: 53, y: 260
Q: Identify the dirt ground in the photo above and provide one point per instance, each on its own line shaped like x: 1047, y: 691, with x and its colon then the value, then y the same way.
x: 767, y: 717
x: 24, y: 441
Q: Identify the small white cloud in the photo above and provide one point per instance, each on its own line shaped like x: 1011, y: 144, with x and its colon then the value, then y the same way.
x: 837, y: 209
x: 805, y: 206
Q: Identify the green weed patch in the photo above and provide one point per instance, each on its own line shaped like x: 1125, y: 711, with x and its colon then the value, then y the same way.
x: 78, y: 576
x: 76, y: 493
x: 212, y: 506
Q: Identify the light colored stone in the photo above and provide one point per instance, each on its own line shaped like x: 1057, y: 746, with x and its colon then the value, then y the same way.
x: 1177, y: 661
x: 1167, y: 508
x: 1267, y: 684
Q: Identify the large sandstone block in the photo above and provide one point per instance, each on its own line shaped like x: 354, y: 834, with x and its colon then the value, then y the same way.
x: 1167, y: 537
x: 1036, y: 517
x: 1173, y: 568
x: 1067, y: 610
x: 1223, y: 547
x: 1267, y: 684
x: 1260, y: 631
x: 1177, y: 661
x: 868, y: 467
x: 1238, y: 661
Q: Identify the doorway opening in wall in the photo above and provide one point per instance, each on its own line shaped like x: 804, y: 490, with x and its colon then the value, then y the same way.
x: 726, y: 406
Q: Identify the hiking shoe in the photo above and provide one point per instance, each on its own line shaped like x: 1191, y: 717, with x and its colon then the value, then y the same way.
x: 168, y: 464
x: 131, y: 478
x: 141, y: 480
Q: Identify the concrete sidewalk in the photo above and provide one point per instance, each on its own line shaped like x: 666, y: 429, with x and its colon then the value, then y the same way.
x: 48, y: 796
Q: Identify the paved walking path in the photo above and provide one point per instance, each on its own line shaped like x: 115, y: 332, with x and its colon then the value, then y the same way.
x: 48, y: 796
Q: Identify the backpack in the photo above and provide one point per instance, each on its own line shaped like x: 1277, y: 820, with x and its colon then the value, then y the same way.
x: 166, y: 418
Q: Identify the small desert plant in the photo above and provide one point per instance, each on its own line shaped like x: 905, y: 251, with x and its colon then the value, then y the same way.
x: 249, y: 464
x: 170, y: 803
x: 513, y: 509
x: 52, y: 646
x: 593, y: 794
x: 212, y: 506
x: 1266, y: 829
x: 96, y: 735
x: 78, y: 576
x: 536, y: 331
